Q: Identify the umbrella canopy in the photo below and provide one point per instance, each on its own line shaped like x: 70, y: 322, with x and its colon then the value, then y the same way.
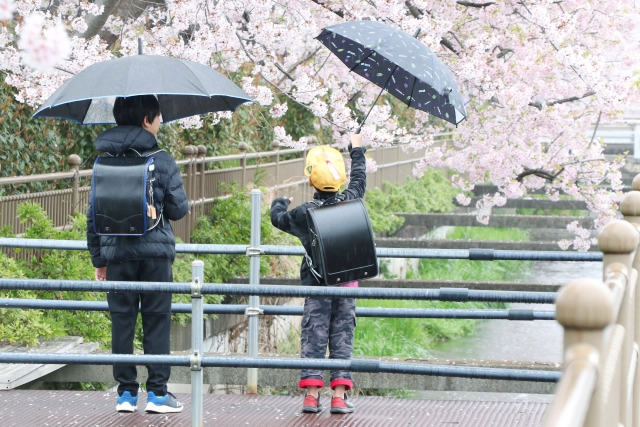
x: 399, y: 63
x: 183, y: 88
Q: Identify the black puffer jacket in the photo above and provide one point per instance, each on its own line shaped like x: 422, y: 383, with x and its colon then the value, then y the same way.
x: 167, y: 191
x: 295, y: 221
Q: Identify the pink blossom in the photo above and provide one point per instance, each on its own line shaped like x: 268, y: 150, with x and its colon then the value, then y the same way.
x: 6, y: 9
x: 278, y: 110
x: 43, y: 44
x: 463, y: 199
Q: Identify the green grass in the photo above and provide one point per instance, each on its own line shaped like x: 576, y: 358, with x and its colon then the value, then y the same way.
x: 552, y: 212
x: 489, y: 233
x: 414, y: 337
x: 409, y: 337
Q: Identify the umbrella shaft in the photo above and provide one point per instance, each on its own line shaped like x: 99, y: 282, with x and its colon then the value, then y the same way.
x: 374, y: 103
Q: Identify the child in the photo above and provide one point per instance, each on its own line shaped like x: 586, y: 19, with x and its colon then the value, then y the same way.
x: 325, y: 320
x: 146, y: 258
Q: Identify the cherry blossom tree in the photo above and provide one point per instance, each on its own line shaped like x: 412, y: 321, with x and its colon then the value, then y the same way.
x: 536, y: 75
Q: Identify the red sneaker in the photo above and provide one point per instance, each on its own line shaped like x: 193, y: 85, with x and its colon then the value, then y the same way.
x: 312, y: 404
x: 341, y: 406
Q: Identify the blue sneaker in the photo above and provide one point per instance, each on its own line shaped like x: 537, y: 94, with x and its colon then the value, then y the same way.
x: 127, y: 403
x: 166, y: 404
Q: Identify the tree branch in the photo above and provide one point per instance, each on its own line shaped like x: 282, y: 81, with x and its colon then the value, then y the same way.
x: 473, y: 4
x: 539, y: 105
x: 447, y: 43
x: 417, y: 13
x: 549, y: 176
x: 295, y: 65
x: 321, y: 3
x: 95, y: 23
x: 285, y: 72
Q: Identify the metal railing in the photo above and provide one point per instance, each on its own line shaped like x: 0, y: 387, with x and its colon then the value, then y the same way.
x: 201, y: 180
x: 197, y: 289
x: 600, y: 384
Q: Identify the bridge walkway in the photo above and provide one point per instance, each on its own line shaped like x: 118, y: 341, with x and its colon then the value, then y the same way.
x: 30, y: 408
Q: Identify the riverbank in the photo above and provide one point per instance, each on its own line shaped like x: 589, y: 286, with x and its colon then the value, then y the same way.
x: 416, y: 337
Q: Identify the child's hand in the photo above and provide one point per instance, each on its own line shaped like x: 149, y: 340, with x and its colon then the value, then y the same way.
x: 356, y: 140
x: 290, y: 199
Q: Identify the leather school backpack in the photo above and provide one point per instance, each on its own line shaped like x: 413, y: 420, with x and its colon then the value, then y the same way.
x: 122, y: 194
x: 343, y: 249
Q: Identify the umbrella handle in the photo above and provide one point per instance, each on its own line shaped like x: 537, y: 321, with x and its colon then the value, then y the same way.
x: 358, y: 130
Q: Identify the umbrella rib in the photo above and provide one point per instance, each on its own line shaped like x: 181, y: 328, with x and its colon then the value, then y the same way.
x: 415, y: 79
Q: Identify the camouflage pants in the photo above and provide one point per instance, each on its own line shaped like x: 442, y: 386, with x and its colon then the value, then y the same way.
x: 327, y: 321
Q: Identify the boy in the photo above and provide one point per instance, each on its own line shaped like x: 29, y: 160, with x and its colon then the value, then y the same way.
x: 146, y: 258
x: 325, y: 320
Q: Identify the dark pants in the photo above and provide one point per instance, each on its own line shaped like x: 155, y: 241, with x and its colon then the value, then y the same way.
x: 156, y: 322
x: 327, y: 321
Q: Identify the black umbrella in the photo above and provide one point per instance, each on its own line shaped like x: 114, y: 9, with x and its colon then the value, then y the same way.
x: 398, y: 63
x: 184, y: 88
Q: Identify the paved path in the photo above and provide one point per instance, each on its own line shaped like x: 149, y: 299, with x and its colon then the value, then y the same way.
x: 27, y: 408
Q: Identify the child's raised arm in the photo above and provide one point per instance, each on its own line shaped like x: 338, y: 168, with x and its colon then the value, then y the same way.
x: 358, y: 183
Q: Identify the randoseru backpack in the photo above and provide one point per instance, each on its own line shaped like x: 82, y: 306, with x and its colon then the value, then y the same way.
x: 343, y: 249
x: 122, y: 195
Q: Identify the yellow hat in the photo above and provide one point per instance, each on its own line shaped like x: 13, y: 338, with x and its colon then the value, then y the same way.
x: 325, y: 168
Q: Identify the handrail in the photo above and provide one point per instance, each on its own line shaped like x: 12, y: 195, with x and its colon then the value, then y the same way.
x: 354, y: 365
x: 571, y: 403
x: 56, y: 176
x: 218, y: 249
x: 285, y: 310
x: 267, y: 290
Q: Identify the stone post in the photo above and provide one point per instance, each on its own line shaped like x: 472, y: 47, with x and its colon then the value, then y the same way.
x: 630, y: 208
x: 74, y: 164
x: 618, y: 241
x: 585, y: 309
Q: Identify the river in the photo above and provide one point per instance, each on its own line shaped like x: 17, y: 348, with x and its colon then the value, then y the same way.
x: 536, y: 341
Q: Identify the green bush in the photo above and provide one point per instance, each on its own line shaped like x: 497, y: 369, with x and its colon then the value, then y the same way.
x: 61, y: 265
x: 431, y: 193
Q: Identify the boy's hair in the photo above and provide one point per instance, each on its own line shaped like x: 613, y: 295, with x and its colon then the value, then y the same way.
x: 133, y: 109
x: 325, y: 168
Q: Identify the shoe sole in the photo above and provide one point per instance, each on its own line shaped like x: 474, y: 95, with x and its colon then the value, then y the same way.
x: 312, y: 409
x: 342, y: 410
x: 162, y: 409
x: 126, y: 407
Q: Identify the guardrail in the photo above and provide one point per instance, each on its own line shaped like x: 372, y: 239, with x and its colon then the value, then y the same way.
x: 216, y: 249
x: 600, y: 384
x: 201, y: 179
x: 197, y: 288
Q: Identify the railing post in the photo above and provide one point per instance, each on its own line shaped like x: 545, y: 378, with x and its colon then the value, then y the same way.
x: 194, y: 189
x: 188, y: 151
x: 197, y: 335
x: 253, y: 311
x: 630, y: 208
x: 74, y: 164
x: 276, y: 146
x: 202, y: 153
x: 243, y: 147
x: 618, y: 241
x: 585, y: 309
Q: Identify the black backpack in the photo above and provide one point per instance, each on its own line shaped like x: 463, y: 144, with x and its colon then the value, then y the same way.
x: 122, y: 195
x: 341, y: 241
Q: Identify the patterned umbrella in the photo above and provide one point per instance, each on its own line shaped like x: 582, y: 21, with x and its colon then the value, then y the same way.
x: 398, y: 63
